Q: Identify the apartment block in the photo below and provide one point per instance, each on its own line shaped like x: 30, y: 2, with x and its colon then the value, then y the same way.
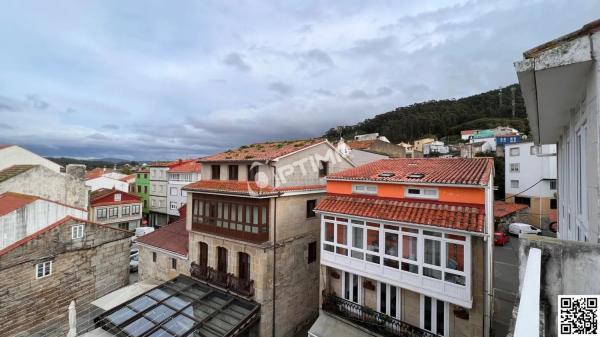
x: 116, y: 209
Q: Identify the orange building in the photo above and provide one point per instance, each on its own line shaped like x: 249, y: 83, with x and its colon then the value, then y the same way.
x: 407, y: 243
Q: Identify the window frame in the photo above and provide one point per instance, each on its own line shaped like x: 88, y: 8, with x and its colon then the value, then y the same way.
x: 100, y: 211
x: 517, y: 151
x: 46, y: 269
x: 323, y: 168
x: 408, y: 192
x: 233, y: 172
x: 215, y: 172
x: 77, y: 231
x: 364, y: 189
x: 310, y: 208
x: 312, y: 252
x: 514, y: 167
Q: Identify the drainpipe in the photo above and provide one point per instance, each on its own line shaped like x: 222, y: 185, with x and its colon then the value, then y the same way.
x: 274, y: 246
x: 489, y: 260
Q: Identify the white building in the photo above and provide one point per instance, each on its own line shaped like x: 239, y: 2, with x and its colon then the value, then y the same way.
x: 108, y: 183
x: 372, y: 136
x: 560, y: 86
x: 15, y: 155
x: 185, y: 172
x: 435, y: 147
x: 22, y: 215
x: 158, y: 215
x: 530, y: 179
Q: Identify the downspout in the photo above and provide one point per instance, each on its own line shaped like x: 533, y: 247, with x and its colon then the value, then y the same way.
x: 274, y: 246
x: 489, y: 260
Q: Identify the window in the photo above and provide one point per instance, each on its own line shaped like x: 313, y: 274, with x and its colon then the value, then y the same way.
x: 244, y: 266
x: 523, y: 201
x: 173, y: 205
x: 249, y: 217
x: 145, y: 189
x: 215, y: 171
x: 183, y: 193
x: 222, y: 259
x: 43, y: 269
x: 202, y: 254
x: 312, y: 252
x: 145, y: 203
x: 351, y: 287
x: 514, y: 167
x: 514, y: 152
x: 173, y: 263
x: 113, y: 212
x: 434, y: 315
x: 124, y: 225
x: 153, y: 256
x: 139, y: 189
x: 252, y: 172
x: 310, y: 208
x: 323, y: 168
x: 552, y: 203
x: 364, y: 189
x: 233, y: 172
x: 126, y: 210
x: 118, y: 197
x: 553, y: 184
x: 533, y: 150
x: 173, y: 191
x: 77, y: 232
x: 135, y: 209
x: 101, y: 213
x: 514, y: 184
x: 423, y: 193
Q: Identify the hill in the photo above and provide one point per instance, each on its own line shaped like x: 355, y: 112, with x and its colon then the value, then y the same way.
x: 92, y: 163
x: 444, y: 118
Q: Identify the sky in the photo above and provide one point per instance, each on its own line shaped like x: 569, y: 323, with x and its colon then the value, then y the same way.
x: 149, y: 80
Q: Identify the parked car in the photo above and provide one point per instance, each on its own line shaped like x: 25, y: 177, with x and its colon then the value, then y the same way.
x: 141, y: 231
x: 133, y: 262
x: 500, y: 239
x: 523, y: 228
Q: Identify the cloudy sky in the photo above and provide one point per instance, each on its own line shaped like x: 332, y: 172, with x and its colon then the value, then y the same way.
x: 162, y: 79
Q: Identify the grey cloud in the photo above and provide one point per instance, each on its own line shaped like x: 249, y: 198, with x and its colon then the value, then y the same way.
x: 4, y: 126
x: 110, y: 126
x: 98, y: 136
x: 236, y: 60
x: 384, y: 91
x: 323, y: 92
x: 358, y: 94
x: 376, y: 46
x: 319, y: 56
x: 280, y: 88
x: 37, y: 102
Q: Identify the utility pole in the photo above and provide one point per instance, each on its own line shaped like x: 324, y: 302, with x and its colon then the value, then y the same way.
x: 499, y: 100
x: 513, y: 91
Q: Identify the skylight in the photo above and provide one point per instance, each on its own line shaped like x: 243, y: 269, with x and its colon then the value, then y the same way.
x: 386, y: 174
x: 416, y: 176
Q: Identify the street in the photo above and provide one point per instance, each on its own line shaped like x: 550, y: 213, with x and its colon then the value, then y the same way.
x: 506, y: 284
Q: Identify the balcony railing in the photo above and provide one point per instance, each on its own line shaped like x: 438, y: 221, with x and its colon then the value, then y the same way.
x: 224, y: 280
x: 371, y: 319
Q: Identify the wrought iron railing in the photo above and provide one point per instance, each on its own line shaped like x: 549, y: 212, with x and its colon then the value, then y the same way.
x: 224, y: 280
x: 371, y: 319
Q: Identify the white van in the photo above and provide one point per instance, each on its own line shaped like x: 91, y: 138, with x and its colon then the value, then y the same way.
x: 141, y: 231
x: 523, y: 228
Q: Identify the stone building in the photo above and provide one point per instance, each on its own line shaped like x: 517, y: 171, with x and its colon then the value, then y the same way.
x: 116, y: 209
x: 365, y: 151
x: 70, y: 260
x: 406, y: 249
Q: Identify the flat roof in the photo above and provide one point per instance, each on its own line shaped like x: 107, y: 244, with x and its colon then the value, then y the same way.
x: 182, y: 306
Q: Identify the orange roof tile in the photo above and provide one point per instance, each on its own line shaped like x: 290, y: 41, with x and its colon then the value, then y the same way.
x: 97, y: 172
x: 465, y: 217
x: 468, y: 171
x: 503, y: 209
x: 173, y: 237
x: 186, y: 166
x: 13, y: 201
x: 361, y: 144
x: 128, y: 177
x: 262, y: 151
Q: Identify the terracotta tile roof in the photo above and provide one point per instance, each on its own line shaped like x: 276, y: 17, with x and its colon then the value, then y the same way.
x: 173, y: 237
x: 52, y: 226
x: 360, y: 144
x: 246, y: 188
x: 469, y: 171
x: 97, y: 172
x: 503, y: 209
x: 13, y: 201
x: 262, y: 151
x: 97, y: 195
x: 128, y: 177
x: 186, y: 166
x: 163, y: 164
x: 14, y: 171
x: 466, y: 217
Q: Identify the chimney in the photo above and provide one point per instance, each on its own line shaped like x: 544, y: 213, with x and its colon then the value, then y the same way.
x: 76, y: 170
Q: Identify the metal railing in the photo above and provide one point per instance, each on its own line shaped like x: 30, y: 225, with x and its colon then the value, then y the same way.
x: 222, y: 279
x: 371, y: 319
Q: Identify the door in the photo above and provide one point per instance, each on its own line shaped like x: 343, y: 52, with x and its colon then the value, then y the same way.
x: 352, y: 287
x: 222, y: 259
x: 434, y: 315
x: 388, y: 299
x: 244, y: 266
x: 202, y: 254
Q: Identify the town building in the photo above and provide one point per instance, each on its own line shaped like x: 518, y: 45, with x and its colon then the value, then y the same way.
x: 371, y: 136
x: 249, y: 199
x: 435, y: 148
x: 366, y: 151
x: 104, y: 182
x: 420, y: 143
x: 130, y: 180
x: 560, y: 86
x: 467, y: 134
x: 69, y: 260
x: 38, y: 180
x: 530, y: 179
x: 22, y: 215
x: 158, y: 215
x: 142, y: 185
x: 116, y: 209
x: 179, y: 175
x: 471, y: 150
x: 11, y: 154
x: 406, y: 249
x: 408, y: 149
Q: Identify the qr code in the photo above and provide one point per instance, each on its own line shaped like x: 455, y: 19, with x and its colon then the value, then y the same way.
x: 578, y: 315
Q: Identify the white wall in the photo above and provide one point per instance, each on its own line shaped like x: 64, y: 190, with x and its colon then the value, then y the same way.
x: 180, y: 196
x: 105, y: 182
x: 31, y: 218
x: 16, y: 155
x: 532, y: 168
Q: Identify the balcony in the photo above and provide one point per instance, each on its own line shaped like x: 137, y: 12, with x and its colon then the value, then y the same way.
x: 223, y: 280
x: 373, y: 320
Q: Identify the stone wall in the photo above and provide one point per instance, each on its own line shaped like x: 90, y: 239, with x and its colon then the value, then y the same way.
x: 82, y: 270
x: 568, y: 268
x: 162, y: 269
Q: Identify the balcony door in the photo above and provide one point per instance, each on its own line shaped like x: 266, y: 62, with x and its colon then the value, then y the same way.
x: 222, y: 259
x: 352, y: 288
x: 388, y: 299
x: 244, y: 266
x: 434, y: 315
x: 202, y: 254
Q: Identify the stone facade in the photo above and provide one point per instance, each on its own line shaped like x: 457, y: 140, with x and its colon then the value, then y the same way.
x: 43, y: 182
x: 82, y: 270
x: 162, y: 269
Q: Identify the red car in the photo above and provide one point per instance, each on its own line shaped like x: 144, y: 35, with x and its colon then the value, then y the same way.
x: 500, y: 239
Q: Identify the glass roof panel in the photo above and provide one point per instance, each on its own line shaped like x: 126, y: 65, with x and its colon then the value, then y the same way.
x: 160, y: 293
x: 120, y: 315
x: 178, y: 302
x: 142, y: 303
x: 161, y: 333
x: 138, y: 327
x: 180, y: 324
x: 159, y: 314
